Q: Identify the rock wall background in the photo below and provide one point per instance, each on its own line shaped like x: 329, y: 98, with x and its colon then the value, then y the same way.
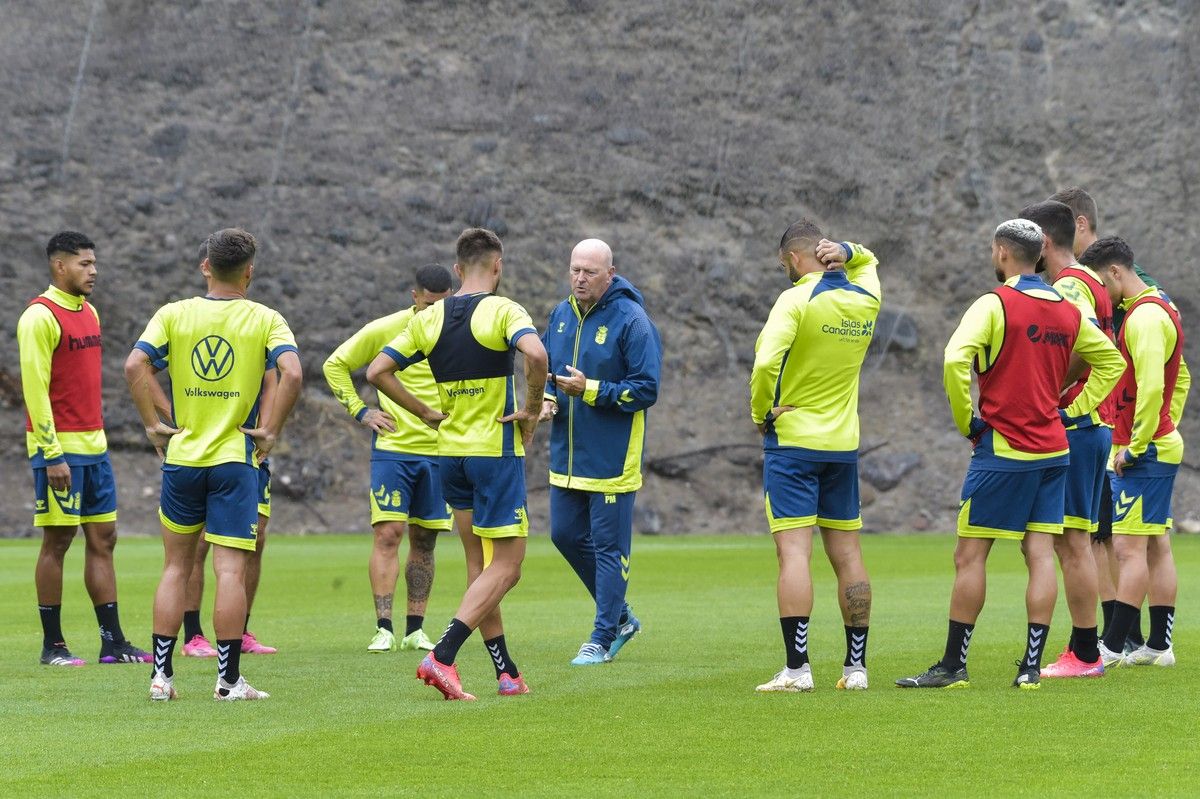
x: 356, y: 139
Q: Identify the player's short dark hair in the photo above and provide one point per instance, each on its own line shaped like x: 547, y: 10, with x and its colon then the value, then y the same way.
x: 68, y: 241
x: 804, y: 230
x: 229, y: 251
x: 1023, y: 237
x: 1080, y: 203
x: 1106, y: 252
x: 203, y: 252
x: 474, y: 244
x: 1055, y: 219
x: 432, y: 277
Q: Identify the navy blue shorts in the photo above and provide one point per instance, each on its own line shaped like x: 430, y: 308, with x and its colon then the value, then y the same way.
x: 802, y: 493
x: 264, y: 490
x: 1142, y: 499
x: 999, y: 504
x: 222, y: 500
x: 493, y: 488
x: 92, y: 497
x: 1086, y: 477
x: 409, y: 490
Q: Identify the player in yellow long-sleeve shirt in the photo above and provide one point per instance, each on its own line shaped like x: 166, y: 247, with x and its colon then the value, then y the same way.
x: 406, y: 490
x: 1146, y: 452
x: 1019, y: 339
x: 804, y: 400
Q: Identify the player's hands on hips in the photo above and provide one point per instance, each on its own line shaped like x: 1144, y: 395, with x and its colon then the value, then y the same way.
x: 573, y: 385
x: 433, y: 419
x: 774, y: 414
x: 549, y: 409
x: 831, y: 253
x: 59, y: 476
x: 1120, y: 461
x: 264, y: 441
x: 526, y: 419
x: 378, y: 421
x: 159, y: 434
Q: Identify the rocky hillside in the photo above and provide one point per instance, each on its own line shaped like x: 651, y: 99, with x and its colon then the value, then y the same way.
x: 356, y: 139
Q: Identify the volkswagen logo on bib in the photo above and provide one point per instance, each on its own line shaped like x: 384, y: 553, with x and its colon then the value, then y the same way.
x: 212, y: 358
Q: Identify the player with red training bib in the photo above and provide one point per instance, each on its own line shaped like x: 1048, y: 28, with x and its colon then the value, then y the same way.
x: 59, y: 339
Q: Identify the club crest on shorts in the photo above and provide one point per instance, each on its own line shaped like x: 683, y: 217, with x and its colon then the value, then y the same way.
x: 601, y: 334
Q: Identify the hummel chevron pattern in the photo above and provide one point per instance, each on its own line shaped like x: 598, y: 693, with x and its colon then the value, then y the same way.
x: 858, y: 648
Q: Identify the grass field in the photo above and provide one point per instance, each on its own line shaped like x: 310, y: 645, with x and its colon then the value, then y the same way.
x: 676, y: 714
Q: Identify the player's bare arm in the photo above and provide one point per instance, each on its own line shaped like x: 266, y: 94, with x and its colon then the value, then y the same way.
x: 536, y: 365
x: 291, y: 378
x: 139, y: 374
x: 381, y: 373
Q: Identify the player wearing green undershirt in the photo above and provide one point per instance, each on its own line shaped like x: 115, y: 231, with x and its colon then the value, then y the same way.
x: 406, y: 490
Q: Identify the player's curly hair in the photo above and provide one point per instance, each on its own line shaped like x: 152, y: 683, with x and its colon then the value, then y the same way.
x: 230, y: 250
x: 68, y: 241
x: 1106, y: 252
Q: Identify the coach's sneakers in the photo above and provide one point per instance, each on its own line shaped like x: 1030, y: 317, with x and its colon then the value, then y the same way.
x: 251, y: 645
x: 854, y: 678
x: 1109, y: 658
x: 442, y: 677
x: 1029, y: 678
x: 416, y: 641
x: 125, y: 652
x: 629, y: 629
x: 59, y: 655
x: 225, y: 692
x: 1145, y: 656
x: 384, y: 641
x: 591, y: 654
x: 162, y: 687
x: 789, y: 681
x: 199, y: 647
x: 511, y: 686
x: 937, y: 676
x: 1069, y: 665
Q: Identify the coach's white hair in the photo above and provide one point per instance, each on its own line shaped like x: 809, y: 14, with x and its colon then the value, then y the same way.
x: 1020, y: 229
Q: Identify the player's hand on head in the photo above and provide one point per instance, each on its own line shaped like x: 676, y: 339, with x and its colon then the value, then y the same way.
x: 831, y: 253
x: 59, y: 476
x: 574, y: 384
x: 378, y: 421
x: 549, y: 409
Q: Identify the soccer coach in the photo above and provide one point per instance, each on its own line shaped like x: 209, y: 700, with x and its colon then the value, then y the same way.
x: 605, y: 360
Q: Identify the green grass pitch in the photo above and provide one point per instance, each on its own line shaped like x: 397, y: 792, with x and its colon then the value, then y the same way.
x: 675, y: 715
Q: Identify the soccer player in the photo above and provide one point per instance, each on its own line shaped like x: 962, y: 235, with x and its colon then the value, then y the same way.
x: 405, y: 490
x: 1086, y: 224
x: 195, y: 642
x: 605, y: 358
x: 1089, y: 439
x: 1019, y: 339
x: 58, y: 336
x: 469, y: 340
x: 222, y: 345
x: 1147, y: 451
x: 804, y: 400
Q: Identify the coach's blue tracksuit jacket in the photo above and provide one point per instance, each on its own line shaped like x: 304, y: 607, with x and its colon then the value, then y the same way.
x: 596, y: 440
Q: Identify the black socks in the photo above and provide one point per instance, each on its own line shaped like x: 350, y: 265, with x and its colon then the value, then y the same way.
x: 795, y: 640
x: 856, y: 647
x: 384, y: 624
x: 229, y: 660
x: 52, y: 634
x: 1083, y: 644
x: 412, y: 624
x: 110, y: 626
x: 502, y: 661
x: 164, y: 648
x: 1124, y: 617
x: 1162, y: 619
x: 1035, y: 645
x: 958, y: 641
x: 452, y: 640
x: 191, y: 625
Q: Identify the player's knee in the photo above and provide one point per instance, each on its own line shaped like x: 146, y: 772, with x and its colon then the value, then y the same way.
x: 102, y: 542
x: 388, y: 535
x: 56, y: 545
x: 422, y: 540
